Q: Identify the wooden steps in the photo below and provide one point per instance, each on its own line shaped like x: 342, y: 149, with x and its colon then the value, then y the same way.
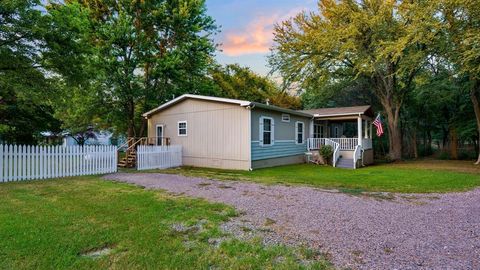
x: 129, y: 161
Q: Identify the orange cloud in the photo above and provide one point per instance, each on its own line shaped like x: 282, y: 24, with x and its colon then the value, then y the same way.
x: 255, y: 38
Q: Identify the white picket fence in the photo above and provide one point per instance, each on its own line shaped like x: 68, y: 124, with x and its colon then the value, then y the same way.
x: 21, y: 162
x: 158, y: 157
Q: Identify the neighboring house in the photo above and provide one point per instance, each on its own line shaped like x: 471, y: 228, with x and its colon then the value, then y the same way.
x: 238, y: 134
x: 102, y: 137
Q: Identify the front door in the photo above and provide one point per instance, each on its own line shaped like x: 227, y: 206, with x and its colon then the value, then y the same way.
x: 159, y: 135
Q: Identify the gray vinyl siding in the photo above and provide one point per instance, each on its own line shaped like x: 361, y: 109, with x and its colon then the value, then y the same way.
x: 284, y: 136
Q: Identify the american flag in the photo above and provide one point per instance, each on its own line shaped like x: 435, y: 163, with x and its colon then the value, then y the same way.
x: 378, y: 123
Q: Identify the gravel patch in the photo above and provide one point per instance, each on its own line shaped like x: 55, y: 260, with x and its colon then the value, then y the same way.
x: 360, y: 231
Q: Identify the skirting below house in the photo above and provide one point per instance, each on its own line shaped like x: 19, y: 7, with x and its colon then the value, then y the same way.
x: 218, y: 163
x: 368, y: 157
x: 271, y: 162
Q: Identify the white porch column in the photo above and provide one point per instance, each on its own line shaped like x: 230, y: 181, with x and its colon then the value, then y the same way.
x: 311, y: 128
x: 359, y: 129
x: 365, y: 129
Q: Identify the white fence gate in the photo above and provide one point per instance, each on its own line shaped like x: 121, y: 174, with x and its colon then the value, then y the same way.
x: 42, y: 162
x: 158, y: 157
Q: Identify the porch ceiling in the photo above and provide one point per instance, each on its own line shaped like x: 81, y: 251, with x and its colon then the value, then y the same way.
x: 341, y: 113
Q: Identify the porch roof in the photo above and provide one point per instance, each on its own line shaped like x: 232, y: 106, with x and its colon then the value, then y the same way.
x: 341, y: 111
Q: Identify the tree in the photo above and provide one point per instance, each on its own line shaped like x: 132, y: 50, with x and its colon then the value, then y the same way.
x: 24, y: 110
x: 234, y: 81
x: 384, y: 41
x: 462, y: 25
x: 137, y: 54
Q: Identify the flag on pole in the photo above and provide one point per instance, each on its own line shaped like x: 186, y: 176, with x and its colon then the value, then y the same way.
x: 378, y: 123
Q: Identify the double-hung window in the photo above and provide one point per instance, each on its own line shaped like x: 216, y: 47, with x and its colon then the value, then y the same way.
x: 299, y: 132
x: 266, y: 131
x: 182, y: 128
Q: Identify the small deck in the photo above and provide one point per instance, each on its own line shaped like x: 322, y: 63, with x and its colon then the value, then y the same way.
x: 345, y: 144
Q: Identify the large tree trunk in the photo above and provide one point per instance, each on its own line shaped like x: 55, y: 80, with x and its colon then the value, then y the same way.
x: 453, y: 143
x: 394, y: 132
x: 414, y: 144
x: 476, y: 108
x: 131, y: 119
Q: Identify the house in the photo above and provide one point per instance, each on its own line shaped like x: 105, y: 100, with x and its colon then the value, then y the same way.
x: 238, y: 134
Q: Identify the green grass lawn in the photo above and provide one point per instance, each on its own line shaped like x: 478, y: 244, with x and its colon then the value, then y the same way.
x: 425, y: 176
x: 56, y: 224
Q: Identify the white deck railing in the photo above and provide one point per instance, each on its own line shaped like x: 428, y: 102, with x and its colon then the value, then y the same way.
x: 357, y: 155
x: 315, y: 143
x: 344, y: 143
x: 336, y: 150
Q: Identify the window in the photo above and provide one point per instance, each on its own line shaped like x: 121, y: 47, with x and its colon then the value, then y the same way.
x: 299, y: 131
x: 182, y: 128
x: 266, y: 131
x: 318, y: 131
x: 285, y: 117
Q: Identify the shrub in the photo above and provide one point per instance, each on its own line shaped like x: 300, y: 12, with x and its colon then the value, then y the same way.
x: 326, y: 151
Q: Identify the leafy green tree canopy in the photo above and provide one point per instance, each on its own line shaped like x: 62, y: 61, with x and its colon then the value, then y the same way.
x: 384, y: 41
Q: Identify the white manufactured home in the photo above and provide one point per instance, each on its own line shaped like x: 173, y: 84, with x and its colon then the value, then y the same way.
x: 238, y: 134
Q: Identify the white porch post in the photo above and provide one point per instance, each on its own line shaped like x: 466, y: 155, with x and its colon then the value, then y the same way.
x: 359, y: 129
x: 365, y: 129
x: 311, y: 128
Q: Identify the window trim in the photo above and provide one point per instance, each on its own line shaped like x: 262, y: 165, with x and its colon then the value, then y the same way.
x: 178, y: 128
x: 296, y: 132
x: 286, y: 114
x: 262, y: 130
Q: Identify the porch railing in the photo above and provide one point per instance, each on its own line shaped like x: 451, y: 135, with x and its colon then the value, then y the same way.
x: 315, y: 143
x: 344, y: 143
x: 336, y: 150
x: 357, y: 155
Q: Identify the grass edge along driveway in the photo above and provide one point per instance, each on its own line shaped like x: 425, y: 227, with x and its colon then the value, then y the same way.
x: 428, y: 176
x: 86, y: 222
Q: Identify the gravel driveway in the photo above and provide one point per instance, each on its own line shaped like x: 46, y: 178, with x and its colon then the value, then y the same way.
x: 378, y: 231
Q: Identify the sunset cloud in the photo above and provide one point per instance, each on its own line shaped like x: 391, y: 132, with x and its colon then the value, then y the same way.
x: 256, y: 37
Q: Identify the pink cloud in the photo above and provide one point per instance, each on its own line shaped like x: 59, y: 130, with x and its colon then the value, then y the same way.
x: 255, y: 38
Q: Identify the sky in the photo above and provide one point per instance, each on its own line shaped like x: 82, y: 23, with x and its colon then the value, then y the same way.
x: 247, y: 28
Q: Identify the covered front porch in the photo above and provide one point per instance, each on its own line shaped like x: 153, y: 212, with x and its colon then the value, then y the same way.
x: 341, y: 132
x: 348, y: 130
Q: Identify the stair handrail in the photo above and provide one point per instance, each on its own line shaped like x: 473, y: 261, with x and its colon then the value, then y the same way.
x: 125, y: 143
x: 336, y: 150
x: 134, y: 144
x: 357, y: 154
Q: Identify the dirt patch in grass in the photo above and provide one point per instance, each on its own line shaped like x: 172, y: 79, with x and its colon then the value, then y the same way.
x: 98, y: 252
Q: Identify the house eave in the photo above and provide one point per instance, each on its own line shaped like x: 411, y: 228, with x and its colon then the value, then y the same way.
x: 198, y: 97
x: 279, y: 109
